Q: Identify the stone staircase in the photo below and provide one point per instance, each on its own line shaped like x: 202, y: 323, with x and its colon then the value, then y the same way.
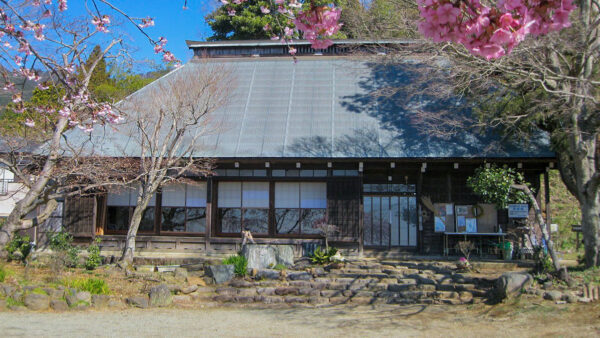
x: 354, y: 282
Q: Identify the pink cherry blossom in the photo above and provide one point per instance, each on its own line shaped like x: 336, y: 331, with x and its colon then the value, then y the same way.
x: 147, y: 22
x: 265, y: 10
x: 29, y: 123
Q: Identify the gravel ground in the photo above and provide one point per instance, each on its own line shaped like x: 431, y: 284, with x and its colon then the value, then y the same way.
x: 364, y: 321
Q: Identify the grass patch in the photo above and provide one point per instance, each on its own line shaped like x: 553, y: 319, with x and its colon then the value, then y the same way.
x: 280, y: 267
x: 240, y: 264
x: 591, y: 275
x: 2, y: 274
x: 10, y: 302
x: 94, y: 286
x: 39, y: 291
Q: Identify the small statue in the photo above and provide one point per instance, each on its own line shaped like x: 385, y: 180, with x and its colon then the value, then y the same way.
x: 247, y: 236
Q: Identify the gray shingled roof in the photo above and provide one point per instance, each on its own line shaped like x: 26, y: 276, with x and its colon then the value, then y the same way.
x: 321, y: 107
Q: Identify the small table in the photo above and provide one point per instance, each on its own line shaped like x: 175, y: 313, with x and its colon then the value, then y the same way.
x: 466, y: 235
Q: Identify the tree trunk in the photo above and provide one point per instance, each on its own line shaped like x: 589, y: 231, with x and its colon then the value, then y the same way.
x: 16, y: 222
x: 590, y: 211
x: 543, y: 228
x: 134, y: 225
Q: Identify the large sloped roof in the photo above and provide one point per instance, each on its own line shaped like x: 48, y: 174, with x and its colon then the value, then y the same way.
x: 322, y: 107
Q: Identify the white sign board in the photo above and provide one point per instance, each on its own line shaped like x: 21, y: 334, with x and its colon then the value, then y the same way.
x: 518, y: 210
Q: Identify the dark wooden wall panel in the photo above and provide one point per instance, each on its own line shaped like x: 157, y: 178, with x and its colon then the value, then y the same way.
x: 80, y: 216
x: 343, y: 203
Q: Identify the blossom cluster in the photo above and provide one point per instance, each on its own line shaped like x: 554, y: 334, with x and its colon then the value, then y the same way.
x: 491, y: 32
x: 24, y: 43
x: 314, y: 23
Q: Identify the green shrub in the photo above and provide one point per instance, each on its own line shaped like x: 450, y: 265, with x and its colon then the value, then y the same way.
x: 321, y: 256
x: 19, y: 244
x: 10, y: 302
x: 62, y: 243
x: 95, y: 286
x: 2, y: 274
x: 94, y: 259
x: 240, y: 264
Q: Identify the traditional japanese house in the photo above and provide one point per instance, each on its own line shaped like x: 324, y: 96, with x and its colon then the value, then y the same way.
x: 322, y: 139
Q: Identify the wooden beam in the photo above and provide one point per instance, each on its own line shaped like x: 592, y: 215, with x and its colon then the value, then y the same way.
x: 547, y: 200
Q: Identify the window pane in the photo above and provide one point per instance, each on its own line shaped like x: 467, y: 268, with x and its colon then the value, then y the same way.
x: 246, y: 172
x: 117, y: 218
x: 255, y: 194
x: 196, y: 195
x: 230, y: 194
x: 256, y: 220
x: 260, y: 172
x: 232, y: 172
x: 173, y: 219
x: 287, y: 195
x: 320, y: 173
x: 313, y: 195
x: 173, y: 195
x: 278, y: 172
x: 412, y: 228
x: 376, y: 240
x: 310, y: 218
x: 292, y: 173
x: 306, y: 173
x: 287, y: 221
x: 368, y: 224
x: 395, y: 221
x: 147, y: 223
x: 230, y: 220
x: 196, y: 220
x: 118, y: 196
x: 404, y: 221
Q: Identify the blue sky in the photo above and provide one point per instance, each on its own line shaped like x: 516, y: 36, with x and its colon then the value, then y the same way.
x: 171, y: 21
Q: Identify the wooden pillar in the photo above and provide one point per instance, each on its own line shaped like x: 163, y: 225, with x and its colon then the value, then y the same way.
x: 547, y: 200
x: 361, y: 217
x: 209, y: 214
x: 419, y: 213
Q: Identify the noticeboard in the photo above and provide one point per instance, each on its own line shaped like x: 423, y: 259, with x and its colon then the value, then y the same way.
x: 518, y: 210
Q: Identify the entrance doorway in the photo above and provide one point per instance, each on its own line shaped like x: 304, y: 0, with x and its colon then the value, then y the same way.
x: 390, y: 221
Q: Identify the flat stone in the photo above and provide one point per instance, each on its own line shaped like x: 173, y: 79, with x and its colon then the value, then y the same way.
x: 226, y: 291
x: 401, y: 287
x: 181, y: 273
x: 220, y: 273
x: 361, y: 300
x: 511, y: 283
x: 116, y: 303
x: 359, y: 294
x: 100, y: 301
x: 309, y: 292
x: 247, y: 292
x: 338, y: 300
x: 337, y: 286
x: 283, y: 291
x: 267, y: 274
x: 300, y: 284
x: 141, y: 301
x: 331, y: 293
x: 268, y: 291
x: 240, y: 283
x: 296, y: 299
x: 553, y: 295
x: 318, y: 300
x: 189, y: 289
x: 302, y: 275
x: 571, y: 298
x: 426, y: 287
x: 182, y: 299
x: 318, y: 285
x: 84, y: 296
x: 59, y: 305
x: 244, y: 299
x: 37, y: 302
x: 160, y: 296
x: 269, y: 299
x: 223, y: 298
x: 54, y: 293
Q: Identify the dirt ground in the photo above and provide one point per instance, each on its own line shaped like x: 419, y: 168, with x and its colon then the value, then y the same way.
x: 515, y: 319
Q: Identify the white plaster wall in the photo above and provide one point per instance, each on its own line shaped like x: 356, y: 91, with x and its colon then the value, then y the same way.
x: 16, y: 191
